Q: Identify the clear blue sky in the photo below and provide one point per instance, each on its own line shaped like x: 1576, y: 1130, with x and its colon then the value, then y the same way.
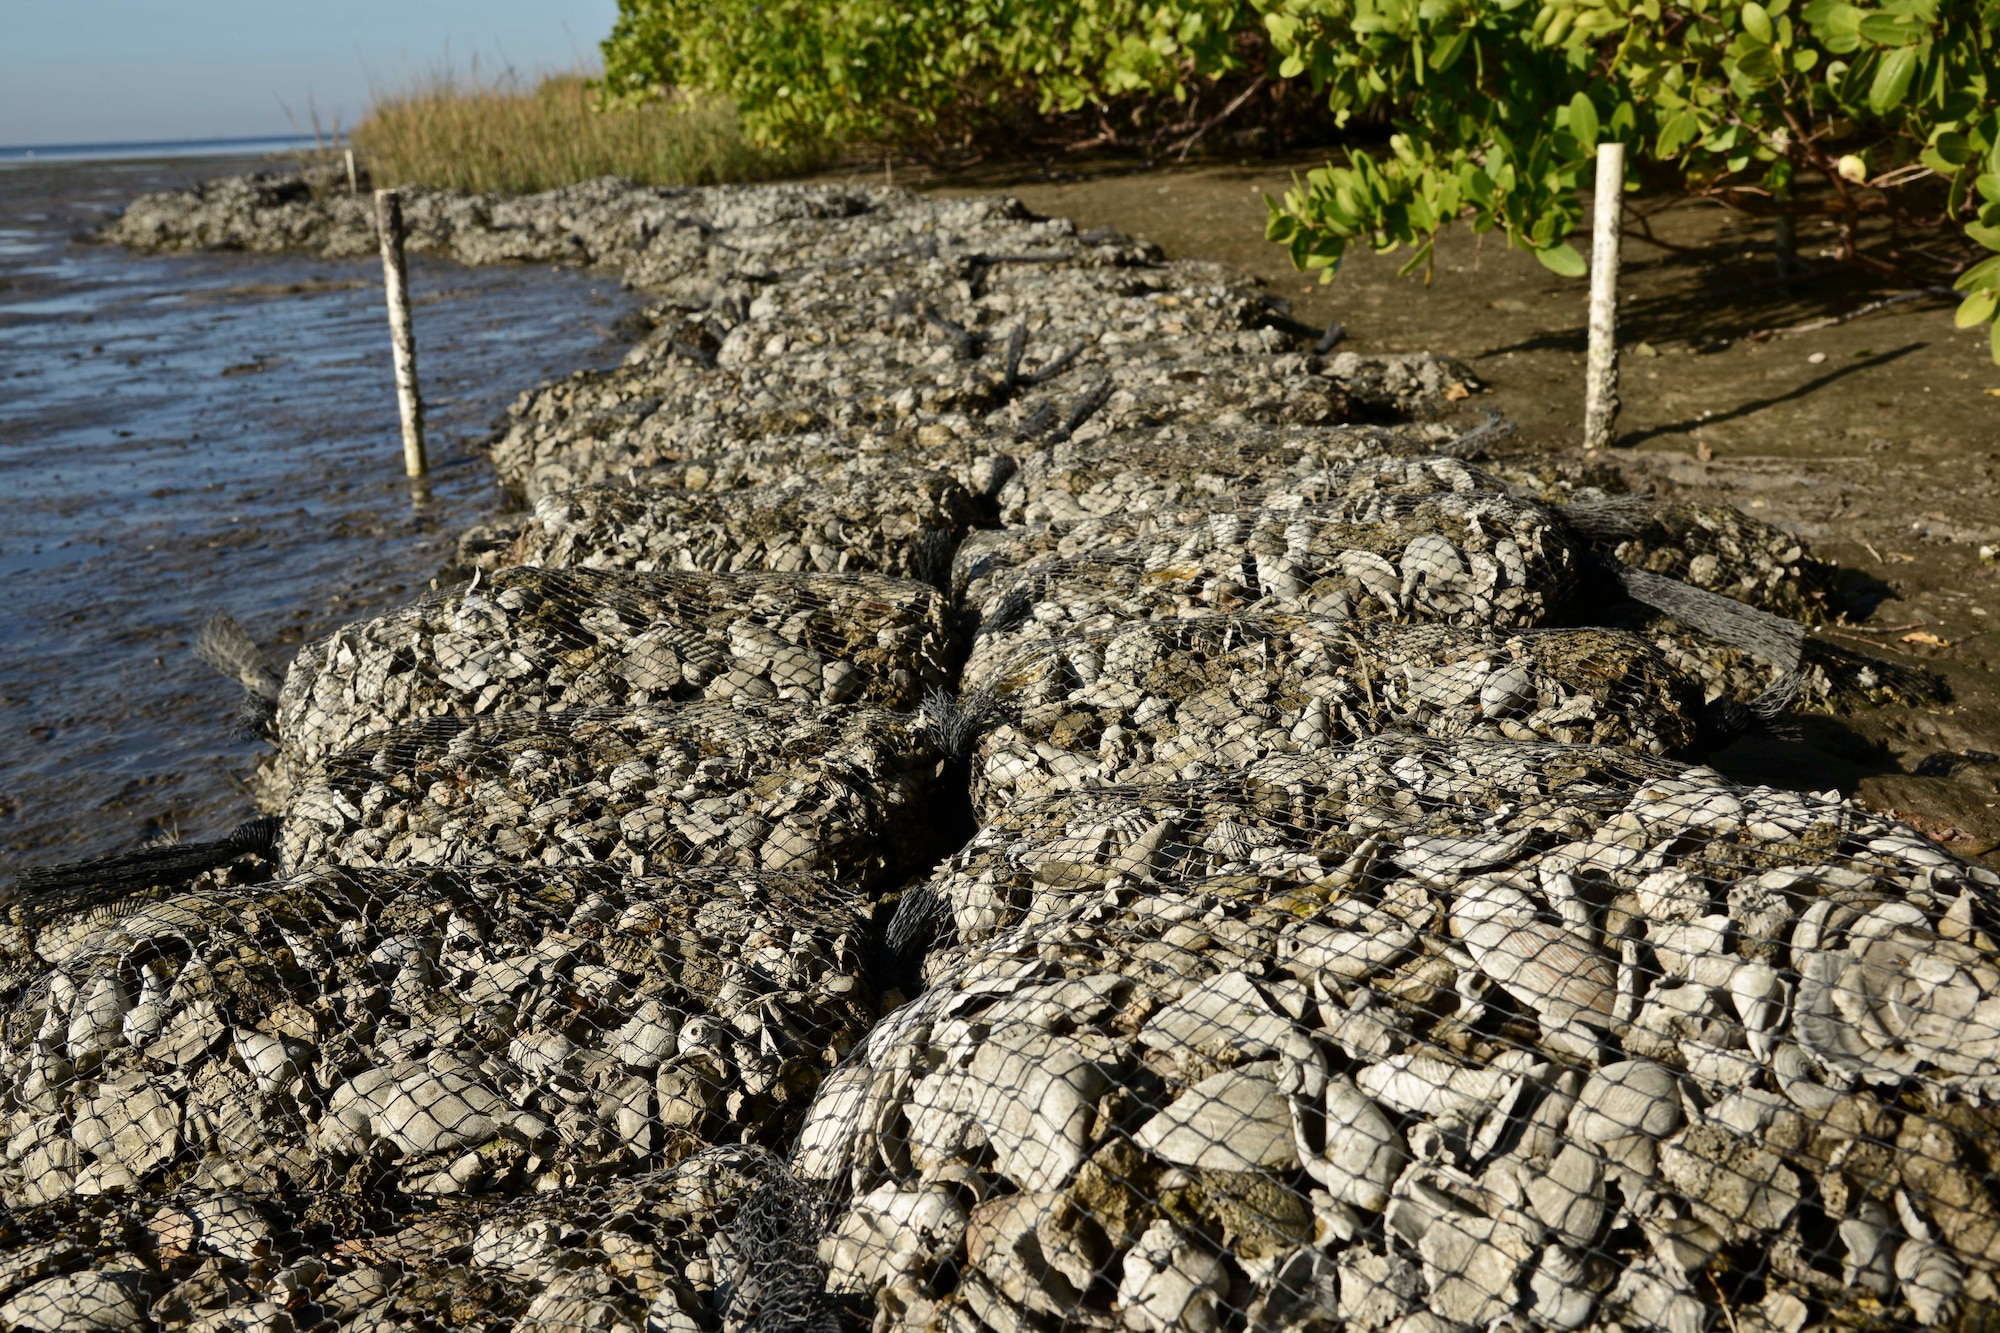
x: 96, y: 71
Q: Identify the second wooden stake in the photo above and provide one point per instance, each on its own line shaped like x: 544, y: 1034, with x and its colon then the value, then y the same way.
x: 402, y: 339
x: 1600, y: 401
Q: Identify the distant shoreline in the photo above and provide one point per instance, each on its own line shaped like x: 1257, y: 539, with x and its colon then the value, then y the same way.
x: 150, y: 150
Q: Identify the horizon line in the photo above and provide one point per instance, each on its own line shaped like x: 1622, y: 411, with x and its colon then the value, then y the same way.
x: 140, y: 145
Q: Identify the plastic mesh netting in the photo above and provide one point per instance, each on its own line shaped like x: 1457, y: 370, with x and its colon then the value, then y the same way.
x: 1002, y: 785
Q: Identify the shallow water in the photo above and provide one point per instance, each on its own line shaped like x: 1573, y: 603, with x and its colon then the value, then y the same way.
x: 180, y: 434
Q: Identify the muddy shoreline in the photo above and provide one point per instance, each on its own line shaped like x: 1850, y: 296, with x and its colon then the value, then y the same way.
x: 1280, y: 788
x: 1860, y: 494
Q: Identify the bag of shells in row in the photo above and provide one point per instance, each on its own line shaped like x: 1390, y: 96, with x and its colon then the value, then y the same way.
x: 1572, y: 825
x: 752, y: 783
x: 989, y: 562
x: 1176, y: 469
x: 1472, y: 560
x: 1140, y: 471
x: 904, y: 523
x: 689, y: 392
x: 1725, y: 1059
x: 847, y: 341
x: 1828, y: 679
x: 426, y: 1032
x: 540, y: 639
x: 674, y: 407
x: 676, y: 1248
x: 1159, y: 700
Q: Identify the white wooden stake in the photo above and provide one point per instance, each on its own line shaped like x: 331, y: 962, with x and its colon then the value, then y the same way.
x: 353, y: 182
x: 1600, y: 403
x: 389, y: 224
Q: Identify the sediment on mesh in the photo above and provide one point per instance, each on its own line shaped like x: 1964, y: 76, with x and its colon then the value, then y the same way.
x: 1160, y: 700
x: 1675, y: 1072
x: 1140, y: 471
x: 764, y: 784
x: 903, y: 523
x: 619, y: 1253
x: 529, y: 639
x: 448, y: 1032
x: 1471, y: 560
x: 1715, y: 547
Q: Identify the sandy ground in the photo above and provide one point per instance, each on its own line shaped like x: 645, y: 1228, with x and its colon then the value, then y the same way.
x: 1874, y: 439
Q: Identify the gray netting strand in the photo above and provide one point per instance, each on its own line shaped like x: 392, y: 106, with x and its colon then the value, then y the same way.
x: 103, y: 880
x: 1772, y: 638
x: 228, y: 647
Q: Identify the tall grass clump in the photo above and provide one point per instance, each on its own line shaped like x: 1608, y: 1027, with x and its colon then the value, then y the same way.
x: 466, y: 133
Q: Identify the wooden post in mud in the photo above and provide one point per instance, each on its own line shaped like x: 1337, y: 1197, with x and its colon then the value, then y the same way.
x: 1600, y: 400
x: 353, y: 181
x: 389, y: 224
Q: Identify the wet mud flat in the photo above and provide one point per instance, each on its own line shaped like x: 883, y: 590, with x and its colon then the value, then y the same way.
x: 1000, y: 780
x: 184, y: 434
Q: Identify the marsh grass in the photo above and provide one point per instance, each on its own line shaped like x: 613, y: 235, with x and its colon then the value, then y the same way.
x: 471, y: 134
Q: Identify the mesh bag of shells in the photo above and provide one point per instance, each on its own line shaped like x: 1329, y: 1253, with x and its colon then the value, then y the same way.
x: 724, y: 1236
x: 903, y: 522
x: 753, y: 783
x: 1140, y: 471
x: 428, y: 1032
x: 1440, y: 1037
x: 1717, y: 547
x: 1181, y: 699
x: 540, y: 639
x: 1460, y: 559
x: 453, y: 1098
